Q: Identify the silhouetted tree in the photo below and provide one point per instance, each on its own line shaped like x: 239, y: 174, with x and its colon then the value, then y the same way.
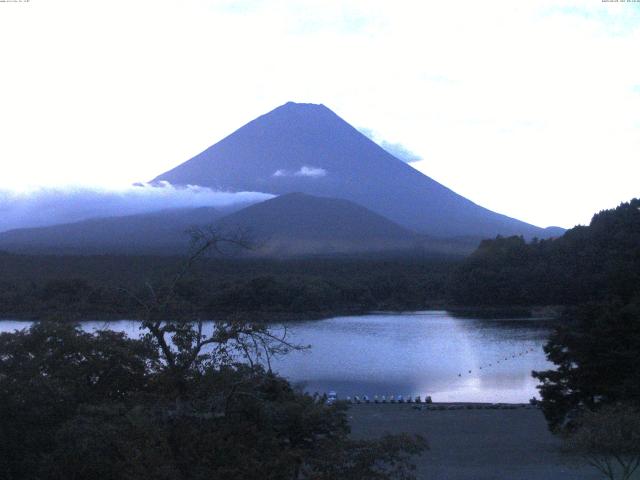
x: 595, y: 349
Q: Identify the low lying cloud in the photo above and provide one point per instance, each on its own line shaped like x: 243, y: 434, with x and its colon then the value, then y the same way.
x: 50, y: 206
x: 396, y: 149
x: 313, y: 172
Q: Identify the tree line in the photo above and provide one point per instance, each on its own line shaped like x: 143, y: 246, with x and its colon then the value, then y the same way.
x: 76, y: 288
x: 588, y: 263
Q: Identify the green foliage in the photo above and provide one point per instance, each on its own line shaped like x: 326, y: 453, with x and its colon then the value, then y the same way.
x: 595, y: 349
x: 75, y: 288
x: 47, y: 373
x: 81, y: 405
x: 591, y: 263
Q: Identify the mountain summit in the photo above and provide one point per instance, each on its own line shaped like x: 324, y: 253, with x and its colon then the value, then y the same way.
x: 308, y: 148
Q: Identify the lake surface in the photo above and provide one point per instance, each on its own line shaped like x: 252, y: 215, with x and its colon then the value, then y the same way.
x: 421, y: 353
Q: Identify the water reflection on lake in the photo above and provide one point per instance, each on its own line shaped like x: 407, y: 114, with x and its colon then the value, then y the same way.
x: 426, y: 353
x: 420, y: 353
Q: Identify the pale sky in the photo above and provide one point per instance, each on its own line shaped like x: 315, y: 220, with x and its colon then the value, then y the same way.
x: 530, y: 108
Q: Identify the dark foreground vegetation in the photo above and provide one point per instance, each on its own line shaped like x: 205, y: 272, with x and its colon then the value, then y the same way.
x: 179, y: 403
x: 79, y: 405
x: 595, y: 348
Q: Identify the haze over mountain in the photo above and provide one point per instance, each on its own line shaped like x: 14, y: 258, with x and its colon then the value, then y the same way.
x: 57, y: 205
x: 161, y: 232
x: 288, y: 225
x: 308, y: 148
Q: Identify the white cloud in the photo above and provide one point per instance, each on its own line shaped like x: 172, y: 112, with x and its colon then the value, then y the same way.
x: 394, y: 148
x: 312, y: 172
x: 48, y: 206
x: 305, y: 171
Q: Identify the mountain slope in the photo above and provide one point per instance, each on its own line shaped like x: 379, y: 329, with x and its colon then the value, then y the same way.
x: 308, y: 148
x: 291, y: 224
x: 297, y: 223
x: 157, y: 232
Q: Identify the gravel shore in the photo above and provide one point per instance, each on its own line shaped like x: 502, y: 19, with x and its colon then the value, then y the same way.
x: 475, y: 442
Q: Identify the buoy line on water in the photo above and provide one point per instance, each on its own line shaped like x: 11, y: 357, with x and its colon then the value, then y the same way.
x: 332, y: 397
x: 502, y: 360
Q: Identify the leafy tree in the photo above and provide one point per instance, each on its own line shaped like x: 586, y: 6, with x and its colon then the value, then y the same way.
x: 595, y: 349
x: 47, y: 373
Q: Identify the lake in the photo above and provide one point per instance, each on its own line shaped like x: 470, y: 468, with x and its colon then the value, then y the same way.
x: 434, y: 353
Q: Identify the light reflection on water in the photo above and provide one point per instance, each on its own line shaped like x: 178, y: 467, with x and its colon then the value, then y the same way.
x: 420, y: 353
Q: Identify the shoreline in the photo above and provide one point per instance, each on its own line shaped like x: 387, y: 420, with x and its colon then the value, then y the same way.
x: 549, y: 312
x: 439, y: 406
